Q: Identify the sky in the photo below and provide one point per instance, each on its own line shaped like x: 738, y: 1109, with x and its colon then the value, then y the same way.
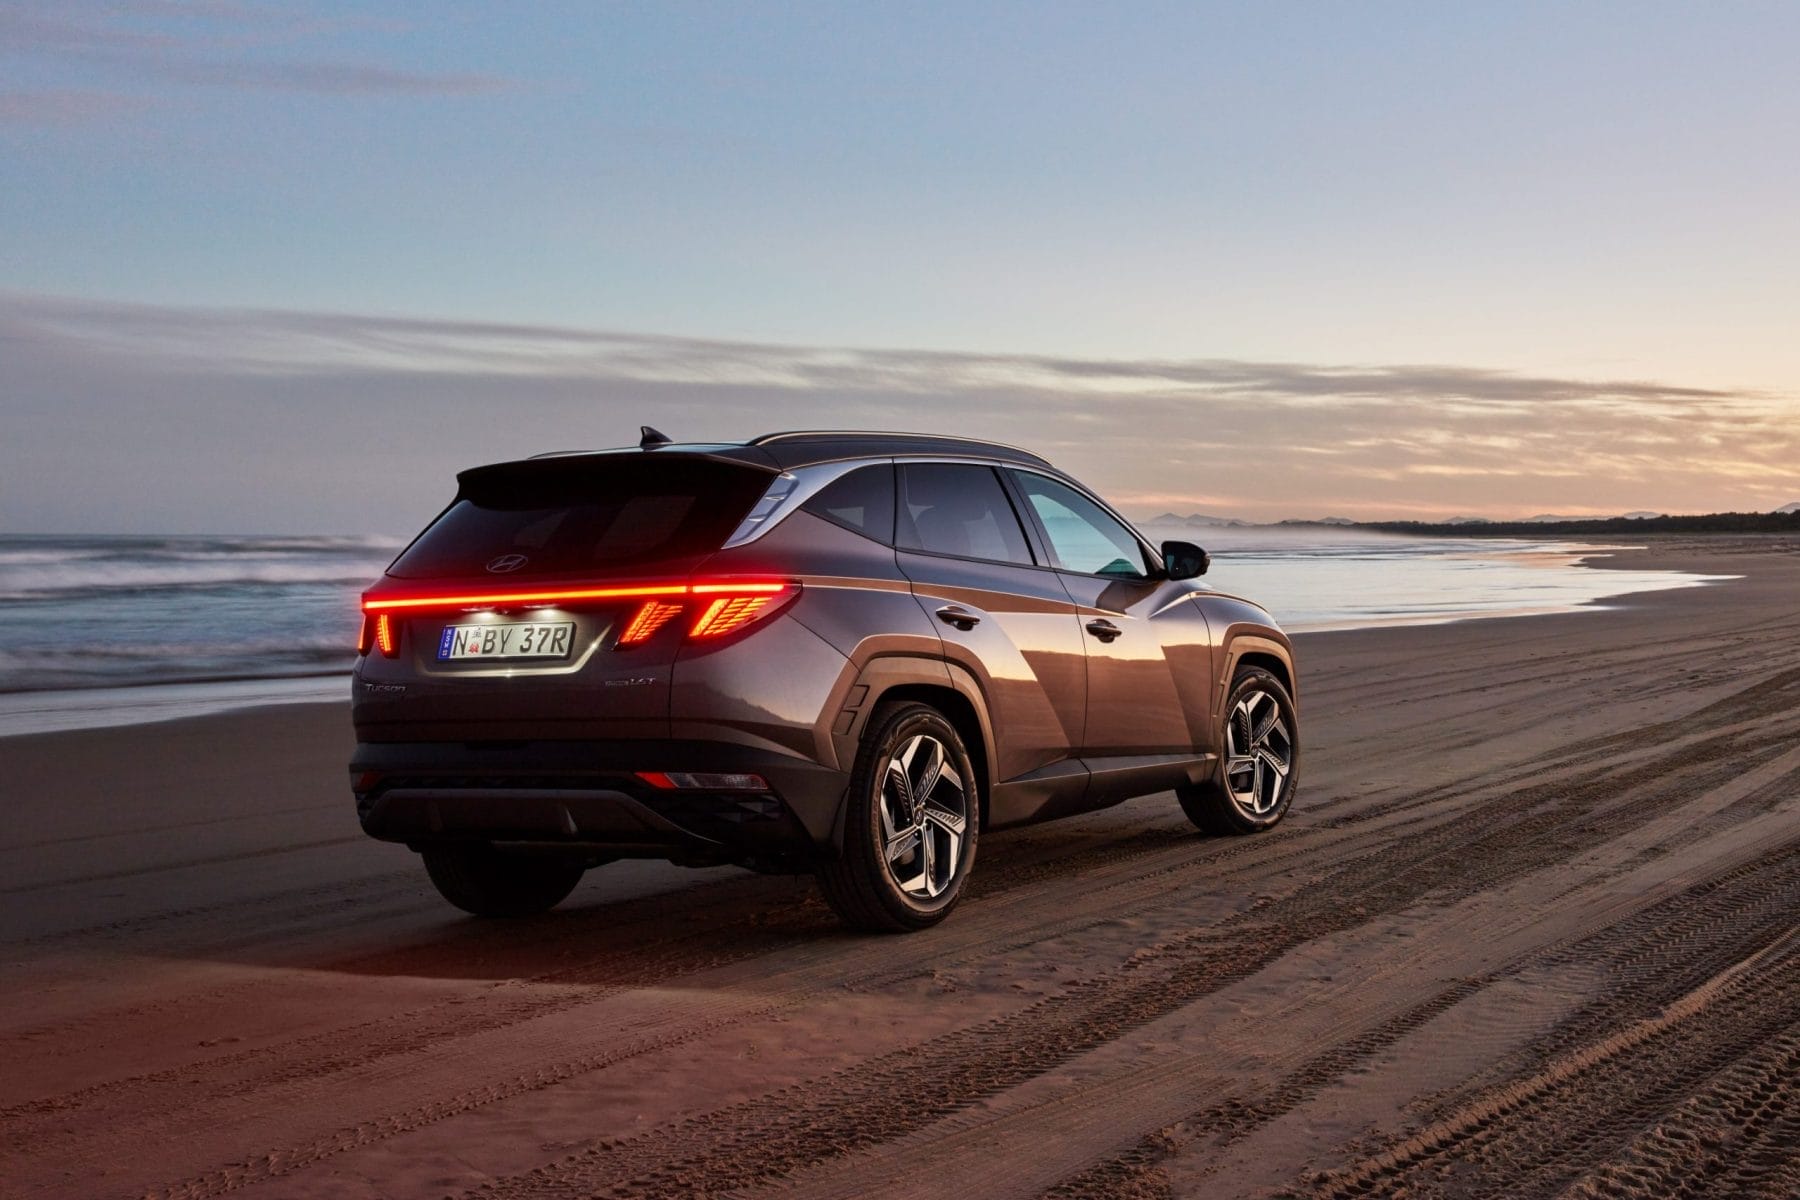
x: 286, y: 268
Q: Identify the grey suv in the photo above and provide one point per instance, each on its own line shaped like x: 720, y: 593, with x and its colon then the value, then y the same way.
x: 841, y: 653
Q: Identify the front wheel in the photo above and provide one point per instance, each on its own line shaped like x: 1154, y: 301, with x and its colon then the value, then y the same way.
x: 482, y: 880
x: 1260, y: 764
x: 911, y: 819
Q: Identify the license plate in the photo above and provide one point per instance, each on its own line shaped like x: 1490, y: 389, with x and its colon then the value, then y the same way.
x: 517, y: 639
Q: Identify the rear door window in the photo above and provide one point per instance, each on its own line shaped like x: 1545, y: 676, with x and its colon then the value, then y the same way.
x: 959, y: 509
x: 569, y: 516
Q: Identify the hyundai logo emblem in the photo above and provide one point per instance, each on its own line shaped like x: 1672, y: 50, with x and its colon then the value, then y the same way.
x: 507, y: 562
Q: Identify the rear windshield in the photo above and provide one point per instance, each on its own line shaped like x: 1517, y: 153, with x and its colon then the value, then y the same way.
x: 563, y: 517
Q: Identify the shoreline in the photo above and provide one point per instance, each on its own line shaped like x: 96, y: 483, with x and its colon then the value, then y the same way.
x: 32, y: 712
x: 69, y: 710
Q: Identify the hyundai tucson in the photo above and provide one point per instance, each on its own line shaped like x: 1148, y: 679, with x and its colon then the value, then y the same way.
x: 845, y: 654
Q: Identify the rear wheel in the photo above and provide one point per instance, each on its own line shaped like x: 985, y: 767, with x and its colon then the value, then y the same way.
x: 490, y: 883
x: 1259, y: 765
x: 911, y: 819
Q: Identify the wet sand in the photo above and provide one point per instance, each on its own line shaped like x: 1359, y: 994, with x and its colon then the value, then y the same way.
x: 1532, y: 929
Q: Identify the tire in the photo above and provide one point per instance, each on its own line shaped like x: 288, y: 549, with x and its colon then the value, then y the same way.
x: 911, y: 819
x: 1259, y: 760
x: 480, y: 879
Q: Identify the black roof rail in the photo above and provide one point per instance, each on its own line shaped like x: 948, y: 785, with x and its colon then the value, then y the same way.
x: 876, y: 435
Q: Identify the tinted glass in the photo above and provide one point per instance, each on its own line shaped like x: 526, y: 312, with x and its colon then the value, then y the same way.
x: 1083, y: 536
x: 950, y: 508
x: 863, y: 500
x: 571, y: 516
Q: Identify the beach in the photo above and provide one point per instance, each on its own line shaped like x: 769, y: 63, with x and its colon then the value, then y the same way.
x: 1532, y: 925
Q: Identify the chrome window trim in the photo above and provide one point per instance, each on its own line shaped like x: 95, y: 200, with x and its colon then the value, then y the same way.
x: 803, y: 484
x: 810, y: 480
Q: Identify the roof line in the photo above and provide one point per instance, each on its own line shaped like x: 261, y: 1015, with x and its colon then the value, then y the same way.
x: 884, y: 433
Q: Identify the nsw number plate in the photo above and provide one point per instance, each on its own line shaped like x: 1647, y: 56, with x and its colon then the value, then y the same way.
x: 522, y: 639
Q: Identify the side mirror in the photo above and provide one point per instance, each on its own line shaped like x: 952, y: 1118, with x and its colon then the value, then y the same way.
x: 1184, y: 560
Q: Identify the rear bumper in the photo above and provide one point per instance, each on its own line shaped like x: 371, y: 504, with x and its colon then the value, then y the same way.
x: 585, y: 795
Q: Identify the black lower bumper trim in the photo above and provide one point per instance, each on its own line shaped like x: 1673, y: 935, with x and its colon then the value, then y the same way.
x: 587, y: 795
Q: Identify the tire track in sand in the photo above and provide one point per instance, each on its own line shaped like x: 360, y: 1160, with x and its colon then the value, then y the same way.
x: 898, y: 1093
x: 1652, y: 958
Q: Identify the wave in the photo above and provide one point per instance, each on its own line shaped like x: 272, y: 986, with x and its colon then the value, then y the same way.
x: 27, y: 668
x: 92, y: 611
x: 33, y: 558
x: 70, y: 580
x: 71, y: 568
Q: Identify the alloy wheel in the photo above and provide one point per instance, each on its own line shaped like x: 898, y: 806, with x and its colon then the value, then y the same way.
x: 924, y: 817
x: 1259, y: 754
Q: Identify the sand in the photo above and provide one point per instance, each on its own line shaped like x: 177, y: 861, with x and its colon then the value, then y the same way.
x: 1533, y: 926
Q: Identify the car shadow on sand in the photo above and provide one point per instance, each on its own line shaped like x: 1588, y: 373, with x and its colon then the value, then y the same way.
x: 650, y: 924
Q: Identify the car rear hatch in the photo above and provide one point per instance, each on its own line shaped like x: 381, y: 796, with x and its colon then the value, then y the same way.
x: 550, y: 598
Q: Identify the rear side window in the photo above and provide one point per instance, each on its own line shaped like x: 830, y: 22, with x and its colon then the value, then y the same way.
x: 959, y: 509
x: 567, y: 516
x: 862, y: 501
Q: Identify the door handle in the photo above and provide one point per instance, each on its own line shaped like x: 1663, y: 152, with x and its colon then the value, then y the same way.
x: 962, y: 618
x: 1103, y: 629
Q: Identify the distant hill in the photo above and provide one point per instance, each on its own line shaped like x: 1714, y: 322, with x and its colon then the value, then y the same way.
x: 1642, y: 521
x: 1785, y: 520
x: 1560, y: 518
x: 1195, y: 519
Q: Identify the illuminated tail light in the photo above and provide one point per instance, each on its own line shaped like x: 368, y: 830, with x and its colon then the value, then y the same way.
x: 725, y: 615
x: 385, y: 639
x: 716, y: 609
x: 652, y: 616
x: 377, y: 633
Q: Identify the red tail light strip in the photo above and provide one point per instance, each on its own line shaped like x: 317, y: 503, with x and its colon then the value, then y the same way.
x: 726, y: 608
x: 737, y: 589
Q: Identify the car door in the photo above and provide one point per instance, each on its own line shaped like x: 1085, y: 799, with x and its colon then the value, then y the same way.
x: 1147, y: 644
x: 1005, y: 619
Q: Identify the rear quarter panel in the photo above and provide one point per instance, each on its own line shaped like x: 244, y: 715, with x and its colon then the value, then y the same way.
x: 867, y: 633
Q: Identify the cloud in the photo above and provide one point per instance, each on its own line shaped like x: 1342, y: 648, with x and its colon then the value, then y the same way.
x: 61, y: 106
x: 204, y: 45
x: 28, y: 30
x: 382, y: 408
x: 301, y: 342
x: 339, y: 79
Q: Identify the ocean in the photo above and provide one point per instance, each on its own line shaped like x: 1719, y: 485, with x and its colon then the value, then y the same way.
x: 112, y: 630
x: 96, y: 612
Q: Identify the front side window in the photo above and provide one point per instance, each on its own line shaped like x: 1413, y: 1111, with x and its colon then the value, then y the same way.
x: 1083, y: 536
x: 959, y: 509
